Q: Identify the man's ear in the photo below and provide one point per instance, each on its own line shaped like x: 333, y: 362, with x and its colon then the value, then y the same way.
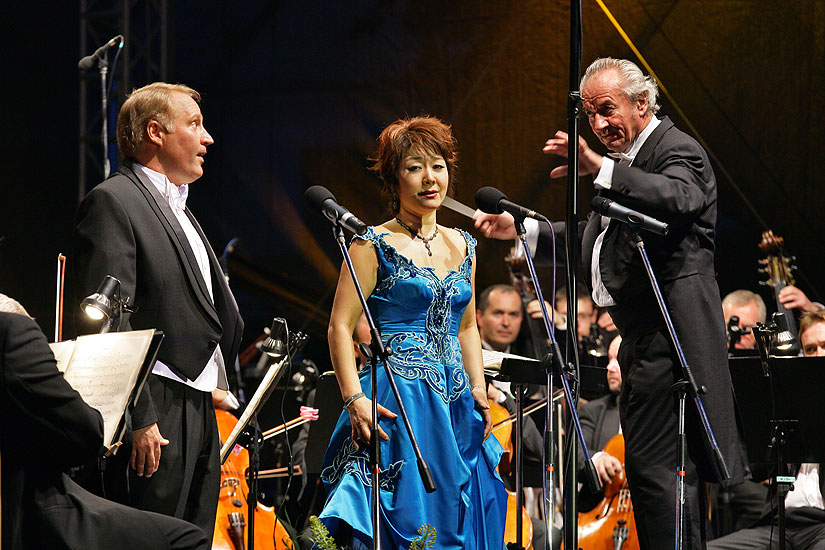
x: 154, y: 132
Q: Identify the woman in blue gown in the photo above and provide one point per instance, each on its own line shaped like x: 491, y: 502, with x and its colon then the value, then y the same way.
x: 419, y: 277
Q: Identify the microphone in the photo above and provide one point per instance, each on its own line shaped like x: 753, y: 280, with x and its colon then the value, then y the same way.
x: 493, y: 201
x: 86, y: 63
x: 637, y: 220
x: 318, y: 197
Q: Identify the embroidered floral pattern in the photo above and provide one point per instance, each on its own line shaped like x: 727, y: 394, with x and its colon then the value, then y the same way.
x: 356, y: 461
x: 424, y: 356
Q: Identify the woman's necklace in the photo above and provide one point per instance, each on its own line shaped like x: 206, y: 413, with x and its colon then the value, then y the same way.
x: 418, y: 234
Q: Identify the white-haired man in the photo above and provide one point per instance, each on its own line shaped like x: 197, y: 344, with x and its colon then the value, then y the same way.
x: 655, y: 168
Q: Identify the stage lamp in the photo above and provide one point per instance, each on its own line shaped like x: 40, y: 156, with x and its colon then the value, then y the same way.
x: 106, y: 303
x: 274, y: 344
x: 784, y: 339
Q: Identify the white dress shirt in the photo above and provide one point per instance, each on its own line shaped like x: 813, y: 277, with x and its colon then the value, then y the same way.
x: 604, y: 180
x: 806, y: 488
x: 176, y: 198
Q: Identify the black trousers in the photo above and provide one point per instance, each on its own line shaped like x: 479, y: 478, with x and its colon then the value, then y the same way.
x: 804, y: 530
x: 187, y: 483
x: 648, y: 410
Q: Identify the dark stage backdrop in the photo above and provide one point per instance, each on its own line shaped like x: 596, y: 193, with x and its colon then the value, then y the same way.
x: 295, y: 94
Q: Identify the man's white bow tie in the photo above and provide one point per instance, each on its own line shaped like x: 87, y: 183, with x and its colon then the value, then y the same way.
x: 621, y: 157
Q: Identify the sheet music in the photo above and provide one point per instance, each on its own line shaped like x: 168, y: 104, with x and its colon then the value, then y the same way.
x: 103, y: 369
x: 62, y: 353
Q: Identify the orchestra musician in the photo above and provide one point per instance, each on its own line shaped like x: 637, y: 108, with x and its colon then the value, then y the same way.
x: 600, y: 422
x: 499, y: 316
x: 659, y: 170
x: 135, y: 226
x: 750, y: 309
x: 804, y: 506
x: 48, y: 427
x: 419, y: 277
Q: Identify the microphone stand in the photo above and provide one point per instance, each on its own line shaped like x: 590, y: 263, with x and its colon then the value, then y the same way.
x: 572, y: 246
x: 552, y: 364
x: 686, y: 386
x: 103, y: 68
x: 376, y: 353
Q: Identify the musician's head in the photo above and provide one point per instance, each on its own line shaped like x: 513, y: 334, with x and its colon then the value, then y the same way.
x: 416, y: 163
x: 499, y: 315
x: 585, y: 310
x: 614, y: 371
x: 812, y: 333
x: 619, y: 101
x: 161, y: 126
x: 10, y: 305
x: 750, y: 308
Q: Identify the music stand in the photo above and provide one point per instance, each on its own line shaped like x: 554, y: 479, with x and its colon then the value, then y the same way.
x: 778, y: 418
x: 329, y: 404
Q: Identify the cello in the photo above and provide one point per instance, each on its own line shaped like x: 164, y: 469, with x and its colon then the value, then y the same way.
x: 231, y: 521
x: 611, y: 525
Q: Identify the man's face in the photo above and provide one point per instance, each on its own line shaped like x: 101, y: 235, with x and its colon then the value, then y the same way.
x: 585, y: 315
x: 813, y: 340
x: 748, y: 316
x: 181, y: 152
x: 614, y: 371
x: 615, y: 120
x: 499, y: 324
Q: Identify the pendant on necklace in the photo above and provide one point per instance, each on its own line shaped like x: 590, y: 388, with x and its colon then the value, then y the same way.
x: 417, y: 234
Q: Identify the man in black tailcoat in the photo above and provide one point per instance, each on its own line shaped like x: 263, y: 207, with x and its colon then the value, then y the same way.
x: 662, y: 172
x: 47, y: 427
x: 135, y: 226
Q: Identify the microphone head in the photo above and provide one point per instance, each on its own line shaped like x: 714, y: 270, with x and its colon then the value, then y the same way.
x: 316, y: 196
x: 600, y: 205
x: 488, y: 199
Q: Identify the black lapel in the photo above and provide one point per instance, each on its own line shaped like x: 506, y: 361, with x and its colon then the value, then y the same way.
x: 643, y: 156
x: 176, y: 235
x: 218, y: 280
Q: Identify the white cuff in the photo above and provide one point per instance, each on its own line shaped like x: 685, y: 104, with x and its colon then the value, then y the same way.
x: 605, y: 177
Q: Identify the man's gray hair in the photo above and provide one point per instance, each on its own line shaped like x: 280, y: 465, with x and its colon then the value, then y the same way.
x: 741, y: 298
x: 10, y: 305
x: 636, y: 84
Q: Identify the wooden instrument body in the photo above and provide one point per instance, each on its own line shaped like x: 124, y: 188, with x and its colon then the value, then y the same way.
x: 611, y: 525
x: 503, y: 433
x: 232, y: 521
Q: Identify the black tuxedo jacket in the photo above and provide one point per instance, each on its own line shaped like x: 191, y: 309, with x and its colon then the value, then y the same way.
x: 600, y: 423
x: 125, y: 228
x: 670, y: 179
x: 46, y: 426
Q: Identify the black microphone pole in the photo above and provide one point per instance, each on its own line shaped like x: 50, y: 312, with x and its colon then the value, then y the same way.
x: 572, y: 241
x: 103, y: 69
x: 379, y: 353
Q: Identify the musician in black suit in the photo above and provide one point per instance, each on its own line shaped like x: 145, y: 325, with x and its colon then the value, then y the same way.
x: 47, y: 427
x: 804, y: 505
x: 600, y: 424
x: 135, y: 226
x: 664, y: 173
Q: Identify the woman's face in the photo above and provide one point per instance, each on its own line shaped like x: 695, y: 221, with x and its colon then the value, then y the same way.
x: 423, y: 180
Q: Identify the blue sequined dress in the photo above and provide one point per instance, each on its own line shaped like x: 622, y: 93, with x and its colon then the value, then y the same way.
x: 418, y: 315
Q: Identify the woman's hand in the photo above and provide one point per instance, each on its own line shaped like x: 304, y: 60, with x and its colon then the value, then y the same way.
x: 360, y: 417
x: 482, y: 406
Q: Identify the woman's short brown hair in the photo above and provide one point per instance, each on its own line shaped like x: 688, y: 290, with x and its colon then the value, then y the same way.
x: 425, y: 133
x: 151, y: 102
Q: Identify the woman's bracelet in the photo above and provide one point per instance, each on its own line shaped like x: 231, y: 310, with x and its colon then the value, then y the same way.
x: 474, y: 386
x: 352, y: 399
